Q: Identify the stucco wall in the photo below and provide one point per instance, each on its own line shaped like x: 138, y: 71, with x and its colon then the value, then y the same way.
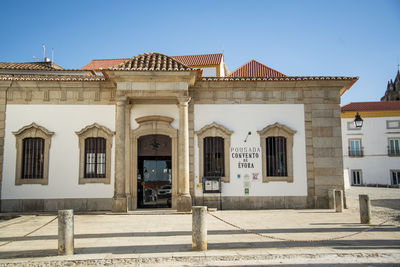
x: 375, y: 164
x: 242, y: 118
x: 64, y: 121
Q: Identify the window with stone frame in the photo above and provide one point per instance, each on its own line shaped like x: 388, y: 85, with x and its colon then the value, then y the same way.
x: 95, y: 157
x: 395, y: 177
x: 95, y: 143
x: 276, y: 156
x: 277, y: 153
x: 214, y: 142
x: 33, y: 145
x: 355, y: 149
x: 214, y: 156
x: 394, y: 147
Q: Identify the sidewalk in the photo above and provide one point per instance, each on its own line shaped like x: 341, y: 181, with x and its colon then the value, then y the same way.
x: 151, y: 237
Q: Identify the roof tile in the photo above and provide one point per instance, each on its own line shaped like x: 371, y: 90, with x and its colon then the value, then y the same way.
x: 97, y: 64
x: 151, y: 61
x: 200, y: 60
x: 371, y: 106
x: 254, y: 68
x: 27, y: 66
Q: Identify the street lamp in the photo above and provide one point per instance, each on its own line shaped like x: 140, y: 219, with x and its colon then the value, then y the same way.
x: 358, y: 122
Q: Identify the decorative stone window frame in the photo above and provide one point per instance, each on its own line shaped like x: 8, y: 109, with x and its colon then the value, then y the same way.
x: 94, y: 130
x: 32, y: 131
x: 214, y: 130
x: 276, y: 130
x: 391, y: 121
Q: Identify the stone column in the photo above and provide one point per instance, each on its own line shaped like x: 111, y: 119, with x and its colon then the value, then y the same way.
x: 128, y: 185
x: 184, y: 202
x: 119, y: 202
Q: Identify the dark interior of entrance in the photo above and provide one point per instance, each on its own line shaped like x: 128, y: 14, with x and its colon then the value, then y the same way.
x: 154, y: 178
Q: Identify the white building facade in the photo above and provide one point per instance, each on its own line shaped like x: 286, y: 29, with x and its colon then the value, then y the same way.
x: 371, y: 154
x: 152, y: 132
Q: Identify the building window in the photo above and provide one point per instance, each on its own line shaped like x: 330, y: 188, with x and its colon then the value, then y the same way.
x: 394, y: 148
x: 214, y: 142
x: 277, y: 153
x: 276, y: 156
x: 356, y: 177
x: 32, y: 158
x: 33, y: 145
x: 393, y: 124
x: 214, y: 156
x: 95, y: 157
x: 395, y: 177
x: 95, y: 143
x: 355, y: 148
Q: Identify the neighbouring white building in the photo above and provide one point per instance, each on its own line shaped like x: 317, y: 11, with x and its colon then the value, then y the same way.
x: 371, y: 154
x: 150, y: 131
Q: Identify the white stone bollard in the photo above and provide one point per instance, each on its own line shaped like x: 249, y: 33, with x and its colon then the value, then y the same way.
x: 65, y: 232
x: 365, y: 210
x: 338, y: 201
x: 199, y: 228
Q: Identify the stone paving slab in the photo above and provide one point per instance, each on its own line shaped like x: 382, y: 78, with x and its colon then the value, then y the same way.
x: 146, y: 237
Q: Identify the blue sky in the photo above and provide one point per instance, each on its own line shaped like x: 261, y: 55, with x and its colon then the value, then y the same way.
x: 298, y: 38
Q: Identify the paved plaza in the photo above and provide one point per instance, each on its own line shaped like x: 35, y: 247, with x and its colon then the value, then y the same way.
x: 163, y: 237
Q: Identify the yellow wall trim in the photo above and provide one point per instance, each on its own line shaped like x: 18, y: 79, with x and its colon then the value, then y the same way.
x: 371, y: 114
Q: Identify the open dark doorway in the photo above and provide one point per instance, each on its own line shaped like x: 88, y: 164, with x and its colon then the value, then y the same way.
x: 154, y: 180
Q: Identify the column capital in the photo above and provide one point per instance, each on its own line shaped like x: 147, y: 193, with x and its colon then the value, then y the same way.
x: 121, y: 99
x: 184, y: 100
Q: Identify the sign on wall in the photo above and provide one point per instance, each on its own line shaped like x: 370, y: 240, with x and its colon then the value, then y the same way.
x: 245, y: 156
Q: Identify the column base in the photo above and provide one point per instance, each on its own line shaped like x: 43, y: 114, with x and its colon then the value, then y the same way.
x: 119, y: 204
x: 184, y: 203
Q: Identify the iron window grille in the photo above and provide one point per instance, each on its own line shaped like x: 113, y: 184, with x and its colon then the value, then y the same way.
x: 356, y: 152
x: 214, y: 156
x: 32, y: 158
x: 95, y: 157
x: 276, y: 156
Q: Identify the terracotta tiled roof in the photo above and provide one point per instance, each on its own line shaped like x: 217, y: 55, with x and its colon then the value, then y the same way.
x: 97, y: 64
x: 200, y: 60
x: 255, y: 69
x: 67, y: 78
x: 285, y: 78
x: 28, y: 66
x: 151, y: 61
x: 371, y: 106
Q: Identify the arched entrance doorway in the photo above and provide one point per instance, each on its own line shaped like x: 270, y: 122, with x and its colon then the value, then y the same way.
x: 154, y: 146
x: 154, y: 174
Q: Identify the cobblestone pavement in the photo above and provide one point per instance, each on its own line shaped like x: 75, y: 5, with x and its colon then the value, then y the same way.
x: 274, y: 237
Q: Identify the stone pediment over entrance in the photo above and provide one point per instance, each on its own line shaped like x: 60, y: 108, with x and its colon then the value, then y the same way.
x: 152, y: 75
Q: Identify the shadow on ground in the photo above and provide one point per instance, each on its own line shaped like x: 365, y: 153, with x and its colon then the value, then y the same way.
x: 387, y: 203
x: 339, y: 230
x: 168, y: 248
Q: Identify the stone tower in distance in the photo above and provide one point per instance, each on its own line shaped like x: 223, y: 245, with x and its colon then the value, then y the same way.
x: 393, y: 89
